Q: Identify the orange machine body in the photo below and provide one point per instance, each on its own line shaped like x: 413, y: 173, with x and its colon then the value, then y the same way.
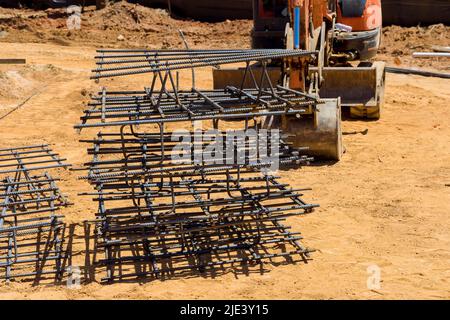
x: 371, y: 19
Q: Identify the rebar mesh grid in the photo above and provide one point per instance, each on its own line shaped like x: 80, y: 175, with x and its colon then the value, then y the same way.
x: 117, y: 108
x: 29, y: 158
x: 31, y: 228
x: 196, y: 223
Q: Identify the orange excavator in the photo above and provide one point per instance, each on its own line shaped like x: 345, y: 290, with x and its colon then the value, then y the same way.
x: 346, y: 34
x: 352, y: 32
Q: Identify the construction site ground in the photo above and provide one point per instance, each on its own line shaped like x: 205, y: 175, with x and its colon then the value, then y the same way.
x: 387, y: 203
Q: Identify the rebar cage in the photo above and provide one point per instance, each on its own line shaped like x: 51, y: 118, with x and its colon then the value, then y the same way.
x: 31, y: 225
x: 161, y: 218
x: 164, y: 102
x: 152, y: 210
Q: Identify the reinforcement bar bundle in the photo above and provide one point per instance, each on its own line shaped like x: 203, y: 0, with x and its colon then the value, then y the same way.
x: 158, y: 217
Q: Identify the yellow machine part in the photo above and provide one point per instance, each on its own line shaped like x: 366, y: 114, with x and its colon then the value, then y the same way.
x: 361, y: 89
x: 322, y: 136
x: 320, y: 132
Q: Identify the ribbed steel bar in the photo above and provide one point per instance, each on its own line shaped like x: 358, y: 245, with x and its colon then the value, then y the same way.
x: 153, y: 155
x: 130, y: 109
x: 164, y: 61
x: 29, y: 158
x: 130, y: 53
x: 192, y: 56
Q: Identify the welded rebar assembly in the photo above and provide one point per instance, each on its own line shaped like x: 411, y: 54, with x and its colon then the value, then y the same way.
x: 176, y: 202
x: 31, y: 224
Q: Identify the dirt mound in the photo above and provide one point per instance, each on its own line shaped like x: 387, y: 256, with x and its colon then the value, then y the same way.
x: 13, y: 85
x: 399, y: 43
x: 125, y: 16
x: 125, y: 25
x: 18, y: 83
x: 122, y: 25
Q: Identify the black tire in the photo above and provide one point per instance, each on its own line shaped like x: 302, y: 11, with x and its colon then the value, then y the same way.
x: 101, y: 4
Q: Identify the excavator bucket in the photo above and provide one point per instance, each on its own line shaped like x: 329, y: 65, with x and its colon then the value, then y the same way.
x: 361, y: 88
x: 320, y: 132
x: 322, y: 136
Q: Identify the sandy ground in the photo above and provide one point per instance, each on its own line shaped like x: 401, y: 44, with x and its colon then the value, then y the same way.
x: 386, y: 203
